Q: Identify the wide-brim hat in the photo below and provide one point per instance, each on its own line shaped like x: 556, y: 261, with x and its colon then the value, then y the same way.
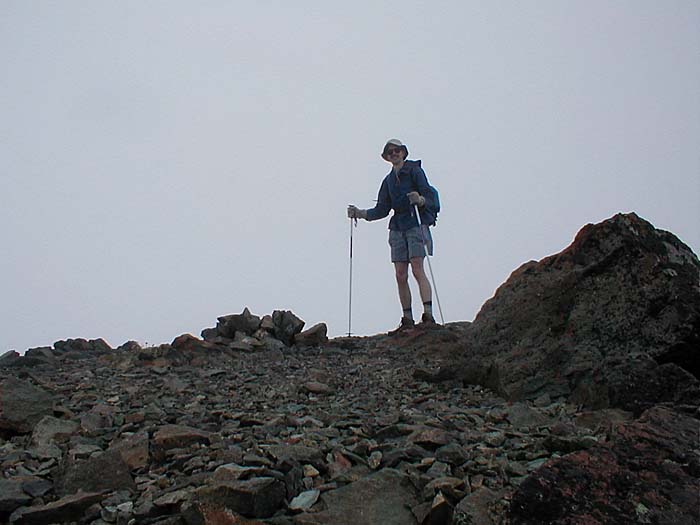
x: 396, y: 143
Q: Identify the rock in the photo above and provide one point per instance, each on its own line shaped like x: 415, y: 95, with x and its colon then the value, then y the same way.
x: 178, y: 436
x: 67, y: 509
x: 12, y: 495
x: 134, y: 450
x: 244, y: 322
x: 299, y: 453
x: 649, y: 461
x: 383, y: 497
x: 287, y: 325
x: 596, y: 322
x: 440, y: 513
x: 479, y: 507
x: 254, y: 498
x: 82, y: 346
x: 50, y: 428
x: 521, y: 415
x: 107, y: 471
x: 9, y: 357
x: 22, y: 405
x: 430, y: 438
x: 316, y: 387
x: 314, y: 336
x: 130, y: 346
x: 304, y: 501
x: 189, y: 343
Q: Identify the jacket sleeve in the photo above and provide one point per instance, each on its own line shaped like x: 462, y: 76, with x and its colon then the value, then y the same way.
x: 383, y: 206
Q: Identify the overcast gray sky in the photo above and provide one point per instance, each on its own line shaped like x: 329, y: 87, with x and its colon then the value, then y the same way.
x: 163, y: 163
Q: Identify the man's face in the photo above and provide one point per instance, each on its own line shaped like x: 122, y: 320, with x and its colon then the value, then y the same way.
x: 394, y: 154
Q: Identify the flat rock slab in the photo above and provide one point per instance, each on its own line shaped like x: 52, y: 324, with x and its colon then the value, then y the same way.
x: 254, y: 498
x: 177, y: 436
x: 66, y: 509
x: 385, y: 497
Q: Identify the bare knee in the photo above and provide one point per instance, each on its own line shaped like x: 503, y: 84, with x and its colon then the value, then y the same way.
x: 401, y: 272
x: 417, y: 267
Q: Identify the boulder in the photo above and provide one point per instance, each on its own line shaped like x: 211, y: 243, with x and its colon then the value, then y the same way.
x: 647, y: 473
x: 9, y: 357
x: 287, y: 325
x: 107, y: 471
x: 22, y: 405
x: 244, y: 322
x: 614, y: 316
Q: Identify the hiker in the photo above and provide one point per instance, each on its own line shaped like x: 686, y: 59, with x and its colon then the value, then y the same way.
x: 403, y: 188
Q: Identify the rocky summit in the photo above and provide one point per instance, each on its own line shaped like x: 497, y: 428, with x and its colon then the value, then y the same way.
x: 571, y: 398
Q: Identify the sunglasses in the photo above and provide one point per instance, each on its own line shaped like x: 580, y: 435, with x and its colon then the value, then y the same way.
x: 391, y: 151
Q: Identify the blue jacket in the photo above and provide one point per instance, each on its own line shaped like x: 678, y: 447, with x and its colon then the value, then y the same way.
x: 392, y: 196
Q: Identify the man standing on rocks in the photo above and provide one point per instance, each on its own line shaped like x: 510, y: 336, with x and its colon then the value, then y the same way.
x: 403, y: 188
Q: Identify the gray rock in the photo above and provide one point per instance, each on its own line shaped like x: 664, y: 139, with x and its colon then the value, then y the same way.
x: 9, y: 357
x: 50, y: 428
x: 244, y: 322
x: 108, y: 471
x: 12, y: 495
x: 384, y: 497
x: 304, y: 501
x: 287, y: 325
x: 254, y: 498
x: 22, y: 405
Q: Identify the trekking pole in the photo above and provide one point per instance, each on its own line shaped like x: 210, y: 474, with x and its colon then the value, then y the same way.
x: 350, y: 294
x: 430, y: 266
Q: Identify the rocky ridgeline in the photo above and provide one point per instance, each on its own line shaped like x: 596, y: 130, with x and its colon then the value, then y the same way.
x: 261, y: 422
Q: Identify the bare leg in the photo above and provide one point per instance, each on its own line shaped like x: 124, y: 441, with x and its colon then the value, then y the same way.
x: 426, y: 292
x: 402, y: 282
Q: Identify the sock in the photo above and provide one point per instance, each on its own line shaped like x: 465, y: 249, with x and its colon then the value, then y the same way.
x: 428, y: 308
x: 408, y: 313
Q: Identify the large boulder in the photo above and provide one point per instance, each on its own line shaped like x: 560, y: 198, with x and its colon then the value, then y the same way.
x: 648, y: 472
x: 613, y: 320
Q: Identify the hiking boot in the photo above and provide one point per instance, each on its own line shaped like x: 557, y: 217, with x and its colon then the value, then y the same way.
x: 427, y: 321
x: 406, y: 324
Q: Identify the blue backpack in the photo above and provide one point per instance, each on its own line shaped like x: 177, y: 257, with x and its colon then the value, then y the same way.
x: 432, y: 201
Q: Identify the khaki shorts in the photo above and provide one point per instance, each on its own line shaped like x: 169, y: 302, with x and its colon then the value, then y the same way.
x: 409, y: 244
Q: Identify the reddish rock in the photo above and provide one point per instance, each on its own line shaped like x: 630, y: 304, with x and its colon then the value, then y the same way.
x: 178, y: 436
x: 648, y: 466
x: 133, y: 449
x: 314, y: 336
x: 67, y: 509
x: 613, y: 320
